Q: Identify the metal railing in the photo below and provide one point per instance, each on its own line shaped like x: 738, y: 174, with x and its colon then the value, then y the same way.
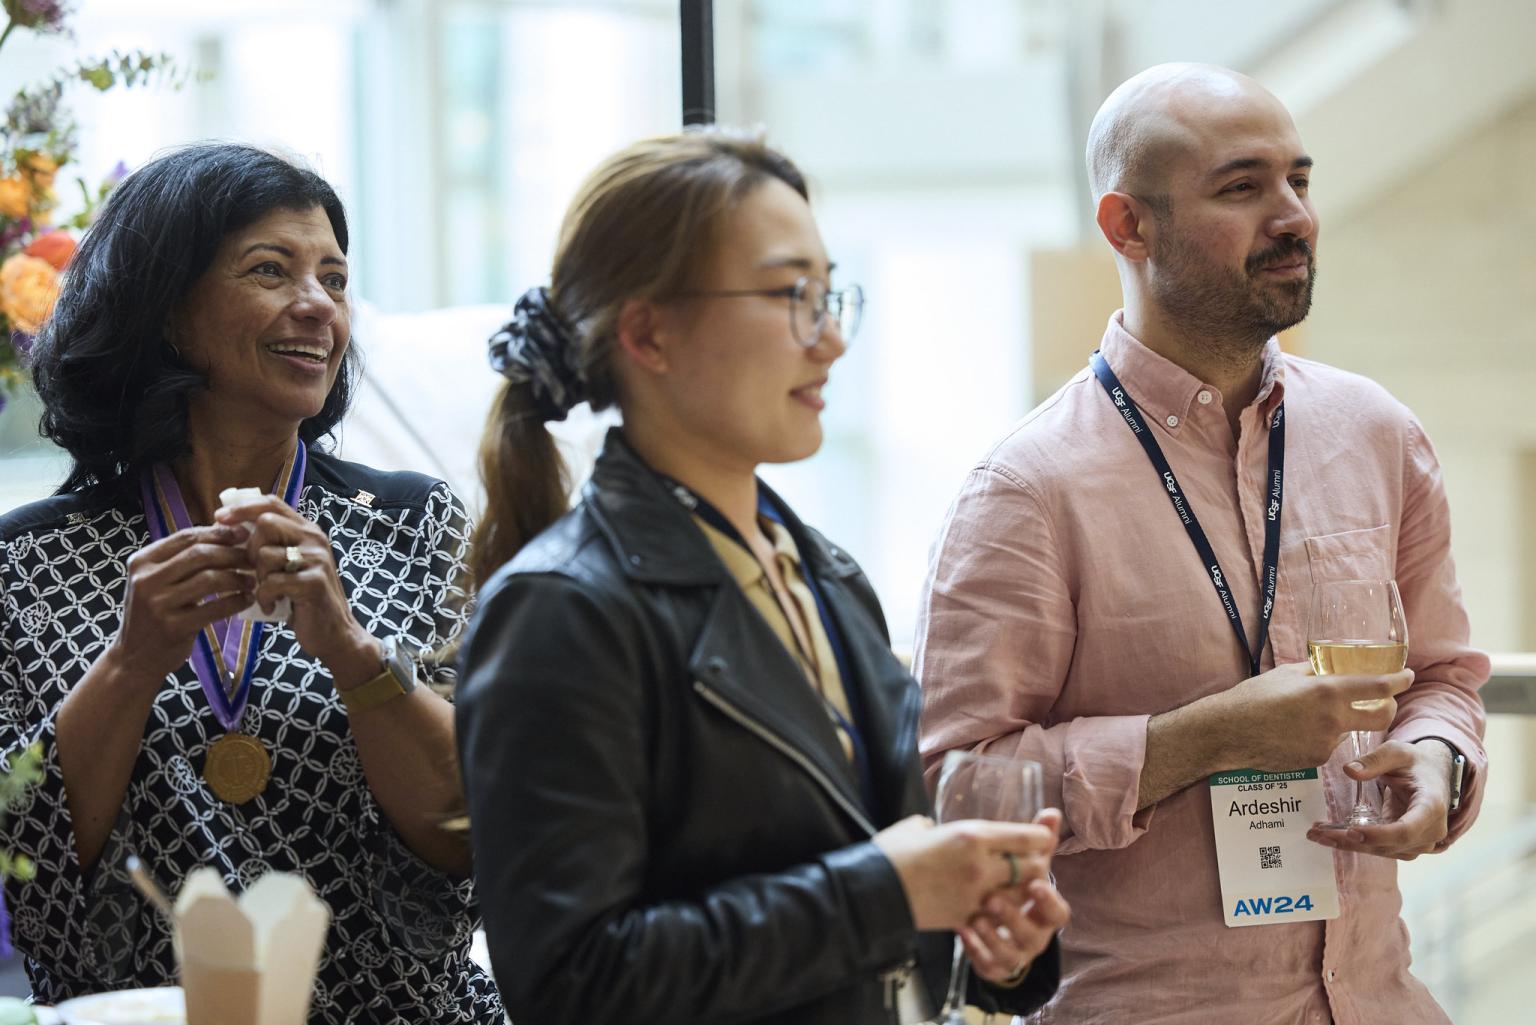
x: 1475, y: 916
x: 1511, y: 690
x: 1470, y: 927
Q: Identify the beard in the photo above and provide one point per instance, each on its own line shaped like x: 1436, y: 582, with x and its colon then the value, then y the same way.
x: 1229, y: 311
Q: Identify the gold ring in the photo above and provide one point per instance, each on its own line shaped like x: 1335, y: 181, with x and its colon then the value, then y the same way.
x: 295, y: 559
x: 1013, y: 868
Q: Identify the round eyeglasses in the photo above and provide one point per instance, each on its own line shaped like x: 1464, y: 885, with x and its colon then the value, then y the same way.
x: 811, y: 306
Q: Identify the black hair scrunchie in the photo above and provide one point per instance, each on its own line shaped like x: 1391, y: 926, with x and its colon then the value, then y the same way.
x: 536, y: 347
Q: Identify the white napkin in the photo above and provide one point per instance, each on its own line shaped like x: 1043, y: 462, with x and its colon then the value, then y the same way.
x: 283, y: 608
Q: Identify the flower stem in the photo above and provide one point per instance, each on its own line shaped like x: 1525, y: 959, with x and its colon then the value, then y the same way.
x: 9, y: 28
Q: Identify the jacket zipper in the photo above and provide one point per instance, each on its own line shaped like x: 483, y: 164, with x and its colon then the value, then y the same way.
x: 781, y: 745
x: 892, y: 982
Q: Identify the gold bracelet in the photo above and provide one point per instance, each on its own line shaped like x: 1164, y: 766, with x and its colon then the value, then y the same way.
x: 377, y: 691
x: 396, y: 677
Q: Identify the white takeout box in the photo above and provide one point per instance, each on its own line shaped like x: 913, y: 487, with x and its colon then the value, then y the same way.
x: 282, y: 608
x: 251, y: 961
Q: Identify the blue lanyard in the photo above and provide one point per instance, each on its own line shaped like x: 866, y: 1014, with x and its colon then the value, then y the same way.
x: 712, y: 516
x: 1133, y: 419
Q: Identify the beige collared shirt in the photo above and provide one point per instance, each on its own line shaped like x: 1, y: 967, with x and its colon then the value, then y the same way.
x: 805, y: 638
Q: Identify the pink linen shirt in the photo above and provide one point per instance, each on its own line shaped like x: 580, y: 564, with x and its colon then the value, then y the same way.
x: 1065, y: 606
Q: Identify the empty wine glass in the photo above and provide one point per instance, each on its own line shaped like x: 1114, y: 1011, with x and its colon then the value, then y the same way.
x: 978, y: 786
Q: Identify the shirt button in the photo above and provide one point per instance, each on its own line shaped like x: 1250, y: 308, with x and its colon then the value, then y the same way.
x: 1205, y: 398
x: 1173, y: 421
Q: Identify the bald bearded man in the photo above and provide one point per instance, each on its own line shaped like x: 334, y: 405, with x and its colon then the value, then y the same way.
x: 1121, y: 589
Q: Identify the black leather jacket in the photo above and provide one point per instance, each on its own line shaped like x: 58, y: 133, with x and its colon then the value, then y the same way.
x: 665, y: 827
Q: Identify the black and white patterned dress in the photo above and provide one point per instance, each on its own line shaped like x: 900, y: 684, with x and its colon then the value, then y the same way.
x: 398, y: 946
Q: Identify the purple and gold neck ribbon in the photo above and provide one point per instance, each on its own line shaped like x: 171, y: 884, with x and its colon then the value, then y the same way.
x: 224, y: 653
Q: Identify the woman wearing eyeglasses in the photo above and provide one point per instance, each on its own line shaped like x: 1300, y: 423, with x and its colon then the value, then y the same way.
x: 688, y: 751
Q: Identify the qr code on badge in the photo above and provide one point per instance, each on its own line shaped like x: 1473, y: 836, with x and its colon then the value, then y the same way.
x: 1269, y: 857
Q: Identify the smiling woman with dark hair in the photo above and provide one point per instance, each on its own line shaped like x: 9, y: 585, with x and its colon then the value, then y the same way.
x: 229, y: 677
x: 114, y: 384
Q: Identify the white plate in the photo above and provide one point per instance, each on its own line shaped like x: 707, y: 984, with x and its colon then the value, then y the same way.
x: 127, y: 1007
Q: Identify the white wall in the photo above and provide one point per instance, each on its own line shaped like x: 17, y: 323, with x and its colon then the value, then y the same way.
x: 1426, y: 286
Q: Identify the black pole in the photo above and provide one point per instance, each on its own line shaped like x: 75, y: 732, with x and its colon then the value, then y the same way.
x: 698, y: 18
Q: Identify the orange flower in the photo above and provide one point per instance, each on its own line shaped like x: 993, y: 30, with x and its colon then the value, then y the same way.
x: 28, y: 288
x: 56, y: 247
x: 42, y: 209
x: 15, y: 197
x: 41, y: 168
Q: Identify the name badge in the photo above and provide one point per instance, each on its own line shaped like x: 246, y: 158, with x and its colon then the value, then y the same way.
x: 1270, y: 872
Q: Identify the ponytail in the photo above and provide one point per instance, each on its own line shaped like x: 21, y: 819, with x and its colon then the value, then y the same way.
x: 637, y: 228
x: 527, y: 484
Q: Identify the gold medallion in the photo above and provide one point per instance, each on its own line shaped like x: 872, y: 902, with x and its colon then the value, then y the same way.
x: 237, y: 768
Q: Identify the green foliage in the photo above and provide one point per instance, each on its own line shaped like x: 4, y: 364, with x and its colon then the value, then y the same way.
x: 38, y: 137
x: 25, y: 770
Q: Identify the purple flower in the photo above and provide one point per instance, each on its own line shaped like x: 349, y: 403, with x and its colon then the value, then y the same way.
x: 5, y: 919
x: 38, y: 112
x: 40, y: 15
x: 5, y: 926
x: 17, y: 230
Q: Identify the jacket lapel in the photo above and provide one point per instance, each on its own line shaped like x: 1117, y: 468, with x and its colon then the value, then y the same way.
x: 887, y: 698
x: 738, y: 658
x: 741, y: 660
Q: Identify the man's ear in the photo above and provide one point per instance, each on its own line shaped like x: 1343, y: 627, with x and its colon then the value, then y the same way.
x: 1127, y: 224
x: 640, y: 332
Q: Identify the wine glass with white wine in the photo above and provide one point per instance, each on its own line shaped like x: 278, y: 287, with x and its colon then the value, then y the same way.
x: 978, y: 786
x: 1357, y: 628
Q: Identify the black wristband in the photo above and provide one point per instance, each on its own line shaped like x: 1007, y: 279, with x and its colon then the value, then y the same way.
x: 1458, y: 770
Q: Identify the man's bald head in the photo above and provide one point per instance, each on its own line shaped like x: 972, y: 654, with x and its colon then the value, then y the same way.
x: 1155, y: 117
x: 1225, y: 258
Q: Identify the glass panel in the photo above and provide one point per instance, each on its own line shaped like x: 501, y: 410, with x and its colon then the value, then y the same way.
x: 539, y: 94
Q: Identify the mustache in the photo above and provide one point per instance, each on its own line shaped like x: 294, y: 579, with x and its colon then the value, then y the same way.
x: 1283, y: 251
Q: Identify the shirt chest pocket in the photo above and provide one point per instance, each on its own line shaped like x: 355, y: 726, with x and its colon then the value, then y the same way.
x: 1352, y: 555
